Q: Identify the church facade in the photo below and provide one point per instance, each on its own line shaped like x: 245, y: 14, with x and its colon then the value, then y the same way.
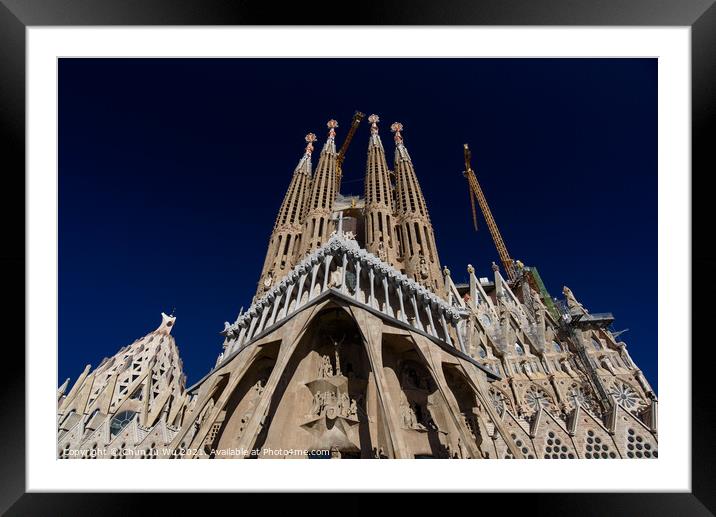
x: 358, y: 344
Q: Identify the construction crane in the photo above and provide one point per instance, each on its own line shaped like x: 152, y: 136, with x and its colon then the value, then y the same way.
x: 476, y: 191
x: 357, y: 117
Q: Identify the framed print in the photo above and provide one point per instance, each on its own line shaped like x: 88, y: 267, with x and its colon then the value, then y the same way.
x: 258, y: 242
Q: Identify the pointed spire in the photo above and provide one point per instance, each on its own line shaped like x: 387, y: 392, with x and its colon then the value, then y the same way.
x: 397, y: 127
x: 287, y: 228
x: 415, y: 230
x: 374, y: 136
x: 330, y: 145
x: 166, y: 325
x: 332, y: 125
x: 321, y: 198
x: 400, y: 150
x: 310, y: 138
x: 379, y: 216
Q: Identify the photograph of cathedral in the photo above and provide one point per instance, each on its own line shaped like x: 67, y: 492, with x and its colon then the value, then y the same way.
x: 359, y: 342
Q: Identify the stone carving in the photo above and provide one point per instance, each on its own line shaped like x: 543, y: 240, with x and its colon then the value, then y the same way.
x: 339, y: 243
x: 423, y: 268
x: 268, y: 280
x: 572, y: 304
x: 333, y: 404
x: 381, y: 252
x: 325, y: 369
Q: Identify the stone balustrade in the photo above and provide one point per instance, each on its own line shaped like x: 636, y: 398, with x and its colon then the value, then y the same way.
x: 342, y: 266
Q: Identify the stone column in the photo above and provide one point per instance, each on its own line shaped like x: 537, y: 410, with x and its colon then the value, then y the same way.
x: 371, y: 299
x: 443, y: 323
x: 344, y: 289
x: 479, y: 384
x: 296, y: 330
x: 387, y: 309
x: 435, y: 368
x: 372, y: 328
x: 431, y: 329
x: 286, y: 305
x: 326, y: 270
x: 399, y: 289
x: 301, y: 281
x: 276, y: 303
x: 264, y: 315
x: 252, y: 327
x: 357, y: 268
x: 418, y: 323
x: 314, y: 272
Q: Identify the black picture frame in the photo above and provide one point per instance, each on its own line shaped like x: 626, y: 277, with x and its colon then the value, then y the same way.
x: 17, y: 15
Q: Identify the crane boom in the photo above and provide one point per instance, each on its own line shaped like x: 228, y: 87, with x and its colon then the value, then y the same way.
x: 476, y: 190
x: 357, y: 117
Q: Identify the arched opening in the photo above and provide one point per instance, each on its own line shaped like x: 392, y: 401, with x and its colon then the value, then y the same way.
x: 418, y: 403
x: 320, y: 402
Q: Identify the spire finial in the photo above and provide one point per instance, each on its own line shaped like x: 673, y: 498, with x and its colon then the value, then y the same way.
x: 396, y: 128
x: 310, y: 138
x: 374, y: 119
x: 332, y: 125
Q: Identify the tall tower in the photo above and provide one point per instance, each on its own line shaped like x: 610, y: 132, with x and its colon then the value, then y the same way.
x: 414, y: 229
x: 379, y: 218
x: 131, y: 404
x: 285, y: 240
x: 317, y: 218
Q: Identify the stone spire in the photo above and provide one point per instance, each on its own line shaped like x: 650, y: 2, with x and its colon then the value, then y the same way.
x: 285, y: 239
x: 415, y: 231
x: 379, y: 217
x: 322, y: 195
x: 137, y: 395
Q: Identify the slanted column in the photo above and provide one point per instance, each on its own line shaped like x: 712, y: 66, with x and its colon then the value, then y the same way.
x: 326, y: 270
x: 344, y: 289
x: 276, y: 303
x: 242, y: 335
x: 314, y: 272
x: 371, y: 275
x: 288, y: 300
x: 250, y: 333
x: 443, y: 323
x: 418, y: 323
x: 357, y: 293
x: 428, y: 309
x: 301, y: 281
x: 387, y: 309
x: 460, y: 339
x: 399, y: 288
x: 264, y: 315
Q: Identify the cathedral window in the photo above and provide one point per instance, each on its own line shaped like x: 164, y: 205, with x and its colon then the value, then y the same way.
x: 626, y: 395
x: 555, y: 449
x: 120, y: 421
x: 481, y: 351
x: 556, y: 346
x: 536, y: 399
x: 518, y: 349
x: 638, y: 447
x: 596, y: 449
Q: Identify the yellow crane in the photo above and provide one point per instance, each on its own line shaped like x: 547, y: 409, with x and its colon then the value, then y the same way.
x: 476, y: 191
x: 357, y: 117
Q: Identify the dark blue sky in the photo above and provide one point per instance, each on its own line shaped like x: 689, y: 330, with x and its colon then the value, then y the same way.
x: 171, y: 172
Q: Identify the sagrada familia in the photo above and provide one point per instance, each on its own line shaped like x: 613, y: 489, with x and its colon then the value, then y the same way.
x: 358, y: 344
